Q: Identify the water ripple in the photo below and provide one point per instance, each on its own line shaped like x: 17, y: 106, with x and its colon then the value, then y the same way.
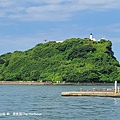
x: 47, y: 101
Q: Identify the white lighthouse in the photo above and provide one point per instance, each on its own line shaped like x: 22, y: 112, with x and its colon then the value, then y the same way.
x: 91, y: 36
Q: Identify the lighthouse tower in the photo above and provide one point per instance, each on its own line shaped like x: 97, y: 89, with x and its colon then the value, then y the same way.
x: 91, y: 37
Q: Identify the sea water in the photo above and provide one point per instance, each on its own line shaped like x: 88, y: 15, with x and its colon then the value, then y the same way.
x: 37, y: 102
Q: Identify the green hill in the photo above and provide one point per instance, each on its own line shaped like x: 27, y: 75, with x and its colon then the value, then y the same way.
x: 74, y: 60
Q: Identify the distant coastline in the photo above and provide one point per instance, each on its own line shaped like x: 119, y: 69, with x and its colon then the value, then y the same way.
x: 23, y: 83
x: 48, y: 83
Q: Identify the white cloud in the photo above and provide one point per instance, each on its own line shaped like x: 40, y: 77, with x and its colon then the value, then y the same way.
x: 51, y: 9
x: 115, y: 28
x: 111, y: 29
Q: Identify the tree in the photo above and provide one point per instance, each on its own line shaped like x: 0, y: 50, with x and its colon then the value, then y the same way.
x: 73, y: 60
x: 34, y: 75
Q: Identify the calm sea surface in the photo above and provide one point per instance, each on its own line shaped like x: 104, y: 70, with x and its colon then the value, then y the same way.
x: 36, y: 102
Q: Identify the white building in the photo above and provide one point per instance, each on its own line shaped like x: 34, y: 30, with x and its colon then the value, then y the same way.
x: 59, y: 41
x: 91, y: 37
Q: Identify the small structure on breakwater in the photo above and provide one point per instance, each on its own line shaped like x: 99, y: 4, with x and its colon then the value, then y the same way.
x: 100, y: 93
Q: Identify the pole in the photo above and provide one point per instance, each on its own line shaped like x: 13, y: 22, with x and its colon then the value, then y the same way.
x: 115, y: 86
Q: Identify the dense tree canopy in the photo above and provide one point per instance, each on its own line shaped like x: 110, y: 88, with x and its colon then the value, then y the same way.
x: 74, y: 60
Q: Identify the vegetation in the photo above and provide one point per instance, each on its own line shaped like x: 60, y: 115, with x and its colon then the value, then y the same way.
x: 74, y: 60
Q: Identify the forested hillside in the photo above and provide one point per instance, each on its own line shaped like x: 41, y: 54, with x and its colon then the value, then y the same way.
x: 74, y: 60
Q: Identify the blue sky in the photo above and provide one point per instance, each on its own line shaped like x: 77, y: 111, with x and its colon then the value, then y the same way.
x: 25, y: 23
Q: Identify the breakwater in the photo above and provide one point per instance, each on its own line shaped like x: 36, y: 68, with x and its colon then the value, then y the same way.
x: 92, y: 93
x: 101, y: 93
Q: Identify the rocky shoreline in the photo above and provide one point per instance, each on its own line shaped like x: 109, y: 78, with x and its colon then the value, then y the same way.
x: 48, y: 83
x: 23, y: 83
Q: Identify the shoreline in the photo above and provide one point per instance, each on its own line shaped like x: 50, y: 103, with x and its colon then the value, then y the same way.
x: 49, y: 83
x: 23, y: 83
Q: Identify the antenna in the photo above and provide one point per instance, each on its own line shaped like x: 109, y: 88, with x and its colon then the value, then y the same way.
x: 103, y: 37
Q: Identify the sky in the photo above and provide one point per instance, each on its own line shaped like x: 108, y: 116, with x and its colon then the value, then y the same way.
x: 25, y: 23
